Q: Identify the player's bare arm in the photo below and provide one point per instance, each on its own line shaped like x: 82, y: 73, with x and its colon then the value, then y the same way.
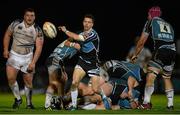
x: 71, y: 34
x: 139, y: 46
x: 72, y: 44
x: 6, y: 41
x: 131, y: 84
x: 39, y: 45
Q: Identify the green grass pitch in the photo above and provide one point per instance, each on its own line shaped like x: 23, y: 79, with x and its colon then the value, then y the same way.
x: 158, y: 101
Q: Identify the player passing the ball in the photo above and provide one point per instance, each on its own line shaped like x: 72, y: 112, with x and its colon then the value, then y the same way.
x: 25, y: 35
x: 88, y: 59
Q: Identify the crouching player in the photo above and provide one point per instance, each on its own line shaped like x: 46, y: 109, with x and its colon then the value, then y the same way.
x: 56, y: 70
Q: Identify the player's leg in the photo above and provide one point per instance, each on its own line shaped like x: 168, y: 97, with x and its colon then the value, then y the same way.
x: 149, y: 87
x: 167, y: 57
x: 11, y: 76
x: 85, y: 89
x: 62, y: 79
x: 54, y: 86
x: 78, y: 74
x: 96, y: 87
x: 93, y: 71
x: 28, y: 78
x: 169, y: 90
x: 49, y: 94
x: 52, y: 70
x: 12, y: 69
x: 90, y: 96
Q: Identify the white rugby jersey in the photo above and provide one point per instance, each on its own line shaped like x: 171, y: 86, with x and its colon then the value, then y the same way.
x: 24, y: 37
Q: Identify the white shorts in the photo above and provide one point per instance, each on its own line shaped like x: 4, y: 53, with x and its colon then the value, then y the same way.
x: 18, y: 61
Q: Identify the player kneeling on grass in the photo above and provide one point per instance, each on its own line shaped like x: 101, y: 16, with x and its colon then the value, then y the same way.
x: 56, y: 70
x: 57, y: 80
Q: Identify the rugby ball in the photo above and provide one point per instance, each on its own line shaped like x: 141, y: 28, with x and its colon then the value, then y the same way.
x: 49, y: 30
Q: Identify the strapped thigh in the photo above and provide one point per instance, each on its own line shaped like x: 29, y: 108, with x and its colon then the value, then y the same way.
x: 166, y: 75
x: 153, y: 72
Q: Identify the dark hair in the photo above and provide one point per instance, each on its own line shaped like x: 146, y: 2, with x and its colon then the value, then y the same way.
x: 89, y: 16
x: 29, y: 10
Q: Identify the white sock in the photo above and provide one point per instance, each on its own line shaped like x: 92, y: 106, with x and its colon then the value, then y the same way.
x: 48, y: 99
x: 28, y: 93
x: 15, y: 90
x: 147, y: 94
x: 170, y: 96
x: 74, y: 95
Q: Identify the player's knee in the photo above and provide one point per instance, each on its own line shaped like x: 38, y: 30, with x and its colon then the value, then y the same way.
x: 75, y: 83
x: 54, y: 84
x: 149, y: 82
x: 51, y: 88
x: 11, y: 82
x: 151, y: 76
x: 29, y: 85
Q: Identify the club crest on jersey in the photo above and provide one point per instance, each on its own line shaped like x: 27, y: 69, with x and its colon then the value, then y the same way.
x: 20, y: 27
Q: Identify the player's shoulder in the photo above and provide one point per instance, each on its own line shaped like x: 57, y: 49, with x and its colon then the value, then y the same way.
x: 17, y: 21
x: 156, y: 19
x: 15, y: 24
x: 93, y: 31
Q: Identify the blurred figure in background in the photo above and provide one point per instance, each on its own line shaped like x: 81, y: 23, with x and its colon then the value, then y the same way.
x: 143, y: 57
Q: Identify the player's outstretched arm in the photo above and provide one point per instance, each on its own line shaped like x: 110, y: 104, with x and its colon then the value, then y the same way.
x: 71, y: 34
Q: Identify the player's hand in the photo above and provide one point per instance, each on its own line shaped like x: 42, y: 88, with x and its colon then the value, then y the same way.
x: 134, y: 104
x: 64, y: 77
x: 62, y: 28
x: 124, y: 95
x: 6, y: 54
x: 133, y: 59
x: 31, y: 68
x: 130, y: 95
x: 77, y: 46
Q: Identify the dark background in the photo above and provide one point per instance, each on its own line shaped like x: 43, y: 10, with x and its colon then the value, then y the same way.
x: 117, y: 22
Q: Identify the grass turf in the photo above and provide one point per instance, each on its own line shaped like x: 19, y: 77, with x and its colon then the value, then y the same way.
x: 158, y: 101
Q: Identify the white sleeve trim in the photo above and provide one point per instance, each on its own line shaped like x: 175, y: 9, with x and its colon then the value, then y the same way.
x: 81, y: 38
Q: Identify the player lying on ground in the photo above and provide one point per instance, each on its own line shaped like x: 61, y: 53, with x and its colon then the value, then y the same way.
x: 123, y: 78
x: 117, y: 93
